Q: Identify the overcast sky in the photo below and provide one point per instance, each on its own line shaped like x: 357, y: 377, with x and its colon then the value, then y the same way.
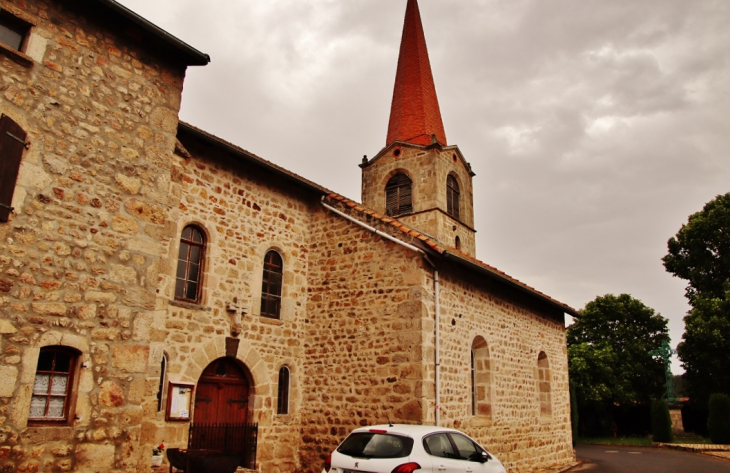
x: 595, y: 128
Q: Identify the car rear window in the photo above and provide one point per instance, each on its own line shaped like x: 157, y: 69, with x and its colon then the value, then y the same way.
x: 376, y: 445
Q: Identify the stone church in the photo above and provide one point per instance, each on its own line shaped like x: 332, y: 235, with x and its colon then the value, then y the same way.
x: 157, y: 281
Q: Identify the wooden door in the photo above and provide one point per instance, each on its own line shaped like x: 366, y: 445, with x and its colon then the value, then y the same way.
x: 222, y: 393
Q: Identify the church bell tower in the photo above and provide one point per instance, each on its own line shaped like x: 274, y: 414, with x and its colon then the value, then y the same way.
x: 418, y: 178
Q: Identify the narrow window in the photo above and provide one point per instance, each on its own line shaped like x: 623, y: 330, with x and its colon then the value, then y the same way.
x: 282, y: 406
x: 452, y: 196
x: 543, y: 371
x: 12, y: 30
x: 190, y: 259
x: 161, y: 386
x: 473, y: 384
x: 481, y: 379
x: 457, y: 243
x: 399, y: 195
x: 271, y: 285
x: 52, y: 389
x: 12, y: 143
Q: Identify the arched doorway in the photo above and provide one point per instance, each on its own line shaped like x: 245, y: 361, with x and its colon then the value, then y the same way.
x: 222, y: 394
x: 220, y: 419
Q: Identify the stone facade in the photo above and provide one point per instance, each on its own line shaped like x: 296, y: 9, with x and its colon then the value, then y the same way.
x: 90, y: 256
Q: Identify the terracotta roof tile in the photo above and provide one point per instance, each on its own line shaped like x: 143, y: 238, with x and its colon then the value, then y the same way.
x: 449, y: 250
x: 414, y: 113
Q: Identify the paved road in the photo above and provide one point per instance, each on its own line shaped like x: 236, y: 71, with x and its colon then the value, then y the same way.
x: 613, y: 459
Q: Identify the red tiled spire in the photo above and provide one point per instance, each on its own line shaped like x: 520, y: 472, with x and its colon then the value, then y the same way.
x: 414, y: 113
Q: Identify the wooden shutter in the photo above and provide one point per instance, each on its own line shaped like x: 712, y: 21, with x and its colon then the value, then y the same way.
x: 452, y: 197
x: 398, y: 195
x: 12, y: 143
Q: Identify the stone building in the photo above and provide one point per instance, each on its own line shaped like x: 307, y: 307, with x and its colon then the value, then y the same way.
x: 154, y: 277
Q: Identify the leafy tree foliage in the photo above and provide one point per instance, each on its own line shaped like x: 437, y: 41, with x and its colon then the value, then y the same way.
x: 718, y: 423
x: 700, y: 253
x: 608, y: 351
x: 705, y: 348
x: 661, y: 421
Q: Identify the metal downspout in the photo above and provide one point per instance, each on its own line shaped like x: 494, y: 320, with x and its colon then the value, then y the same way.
x: 436, y: 288
x: 437, y: 356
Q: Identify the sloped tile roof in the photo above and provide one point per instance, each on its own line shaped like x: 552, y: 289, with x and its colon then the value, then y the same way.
x: 451, y: 253
x: 415, y: 115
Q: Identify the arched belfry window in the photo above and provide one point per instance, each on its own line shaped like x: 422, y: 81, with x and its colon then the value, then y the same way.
x: 271, y: 285
x: 452, y: 196
x: 399, y: 195
x: 282, y: 404
x: 190, y: 259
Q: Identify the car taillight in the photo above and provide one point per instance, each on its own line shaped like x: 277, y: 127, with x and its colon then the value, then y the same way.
x: 406, y: 468
x: 328, y: 463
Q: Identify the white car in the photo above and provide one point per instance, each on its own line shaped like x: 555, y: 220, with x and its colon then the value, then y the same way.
x: 408, y: 449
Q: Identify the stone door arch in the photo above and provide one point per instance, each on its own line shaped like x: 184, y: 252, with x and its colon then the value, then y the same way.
x: 223, y: 393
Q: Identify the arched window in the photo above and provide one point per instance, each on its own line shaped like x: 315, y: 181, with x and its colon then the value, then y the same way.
x: 481, y: 378
x: 190, y: 260
x: 399, y: 195
x: 543, y: 379
x: 53, y: 385
x: 271, y: 285
x: 282, y: 405
x: 161, y: 386
x: 457, y: 243
x: 452, y: 196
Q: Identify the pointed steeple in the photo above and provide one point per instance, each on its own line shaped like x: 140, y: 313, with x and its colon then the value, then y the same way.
x: 415, y: 116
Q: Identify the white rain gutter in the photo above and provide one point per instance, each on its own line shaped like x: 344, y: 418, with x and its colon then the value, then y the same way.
x: 436, y: 288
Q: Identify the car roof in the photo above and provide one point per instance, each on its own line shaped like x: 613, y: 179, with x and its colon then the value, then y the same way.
x: 408, y: 430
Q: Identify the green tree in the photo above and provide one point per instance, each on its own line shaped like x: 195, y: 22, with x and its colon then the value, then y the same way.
x: 700, y: 253
x: 608, y: 351
x: 661, y: 422
x: 705, y: 348
x: 718, y: 422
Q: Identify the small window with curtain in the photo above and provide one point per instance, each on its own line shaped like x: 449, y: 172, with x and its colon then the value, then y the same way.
x: 452, y: 196
x: 188, y: 283
x: 53, y: 385
x: 282, y: 405
x: 271, y: 285
x: 399, y: 195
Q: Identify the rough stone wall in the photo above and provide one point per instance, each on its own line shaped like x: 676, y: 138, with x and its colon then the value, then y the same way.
x: 80, y: 257
x: 244, y: 212
x: 516, y: 332
x: 366, y: 321
x: 428, y: 169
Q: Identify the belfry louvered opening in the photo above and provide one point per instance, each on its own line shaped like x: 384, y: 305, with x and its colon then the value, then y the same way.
x: 399, y: 195
x: 452, y: 197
